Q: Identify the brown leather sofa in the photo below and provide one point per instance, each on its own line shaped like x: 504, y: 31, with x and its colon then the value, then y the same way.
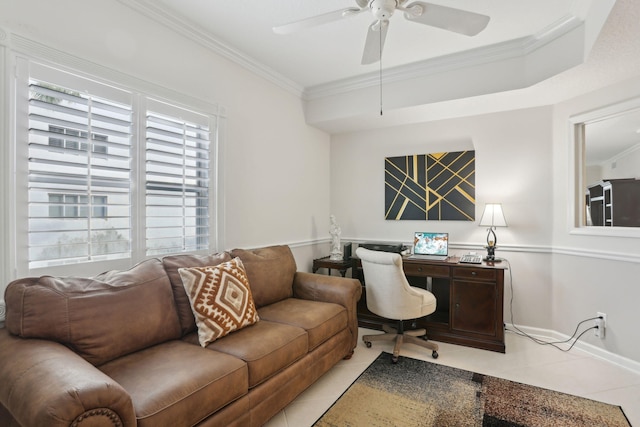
x: 121, y: 349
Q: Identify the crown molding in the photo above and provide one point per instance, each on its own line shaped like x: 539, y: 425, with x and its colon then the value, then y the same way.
x: 517, y: 48
x: 501, y: 51
x: 58, y: 59
x: 197, y: 34
x: 629, y: 151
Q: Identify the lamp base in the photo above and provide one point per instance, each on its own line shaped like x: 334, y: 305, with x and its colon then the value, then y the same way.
x: 491, y: 254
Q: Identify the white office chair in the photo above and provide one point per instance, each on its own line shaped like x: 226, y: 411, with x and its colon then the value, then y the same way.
x: 389, y: 295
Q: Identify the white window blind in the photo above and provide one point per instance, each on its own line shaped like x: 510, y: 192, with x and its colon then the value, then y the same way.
x: 177, y: 182
x: 79, y: 172
x: 106, y: 174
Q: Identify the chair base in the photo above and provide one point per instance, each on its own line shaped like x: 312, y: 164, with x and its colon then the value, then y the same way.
x: 416, y: 336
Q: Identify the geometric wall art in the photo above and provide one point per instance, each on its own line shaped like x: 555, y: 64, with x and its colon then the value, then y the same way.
x: 438, y: 186
x: 405, y: 187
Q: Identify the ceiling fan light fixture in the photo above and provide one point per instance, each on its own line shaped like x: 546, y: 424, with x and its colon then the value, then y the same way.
x: 430, y: 14
x: 383, y: 9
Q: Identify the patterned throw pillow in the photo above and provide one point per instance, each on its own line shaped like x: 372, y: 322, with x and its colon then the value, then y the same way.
x: 220, y: 298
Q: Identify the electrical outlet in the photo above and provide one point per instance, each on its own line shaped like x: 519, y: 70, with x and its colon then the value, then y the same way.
x: 601, y: 323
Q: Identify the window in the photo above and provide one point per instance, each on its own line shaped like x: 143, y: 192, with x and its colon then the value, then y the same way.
x: 102, y: 185
x: 177, y: 185
x: 74, y: 206
x: 74, y: 144
x: 72, y: 176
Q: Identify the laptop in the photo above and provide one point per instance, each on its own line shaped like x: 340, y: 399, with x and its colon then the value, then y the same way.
x: 434, y: 246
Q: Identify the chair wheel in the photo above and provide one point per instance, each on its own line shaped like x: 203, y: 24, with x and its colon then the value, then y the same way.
x: 394, y: 359
x: 434, y: 354
x: 368, y: 344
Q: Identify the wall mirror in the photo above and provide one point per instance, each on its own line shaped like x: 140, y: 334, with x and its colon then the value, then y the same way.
x: 607, y: 170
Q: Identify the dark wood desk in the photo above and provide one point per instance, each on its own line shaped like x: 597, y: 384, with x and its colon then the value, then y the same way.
x: 325, y: 262
x: 470, y: 301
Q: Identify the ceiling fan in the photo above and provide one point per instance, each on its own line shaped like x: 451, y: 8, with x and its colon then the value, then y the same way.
x: 446, y: 18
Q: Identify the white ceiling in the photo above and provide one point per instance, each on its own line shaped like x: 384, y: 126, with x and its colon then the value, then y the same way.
x: 531, y: 53
x: 333, y: 51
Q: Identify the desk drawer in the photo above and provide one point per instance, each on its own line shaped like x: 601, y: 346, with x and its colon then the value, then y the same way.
x: 425, y: 270
x: 474, y: 273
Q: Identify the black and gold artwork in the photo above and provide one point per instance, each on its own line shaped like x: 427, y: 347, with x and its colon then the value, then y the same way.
x: 438, y: 186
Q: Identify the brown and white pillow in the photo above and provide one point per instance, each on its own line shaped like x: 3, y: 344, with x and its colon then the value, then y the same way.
x: 220, y: 298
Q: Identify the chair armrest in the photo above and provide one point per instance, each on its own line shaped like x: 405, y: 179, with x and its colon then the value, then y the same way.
x: 43, y: 383
x: 339, y: 290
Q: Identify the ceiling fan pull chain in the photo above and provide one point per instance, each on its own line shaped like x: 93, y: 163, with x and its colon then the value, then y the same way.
x: 380, y: 45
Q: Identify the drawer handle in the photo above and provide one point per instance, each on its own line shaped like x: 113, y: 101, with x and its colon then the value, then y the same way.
x: 473, y: 273
x: 419, y: 268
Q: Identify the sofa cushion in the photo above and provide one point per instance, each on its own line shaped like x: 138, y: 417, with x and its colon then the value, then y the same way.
x: 270, y: 271
x: 266, y: 348
x: 171, y: 265
x: 178, y: 383
x: 321, y: 320
x: 100, y: 318
x: 221, y: 299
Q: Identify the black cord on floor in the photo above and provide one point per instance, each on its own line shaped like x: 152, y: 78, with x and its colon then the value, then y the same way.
x: 538, y: 340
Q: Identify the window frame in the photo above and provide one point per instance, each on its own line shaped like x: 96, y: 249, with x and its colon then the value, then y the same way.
x: 143, y: 93
x: 75, y: 108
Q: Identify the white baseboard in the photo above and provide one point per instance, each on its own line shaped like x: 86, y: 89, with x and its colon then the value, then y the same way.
x: 549, y: 335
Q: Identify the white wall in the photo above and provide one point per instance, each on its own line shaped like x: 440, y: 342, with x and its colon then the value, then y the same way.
x: 593, y: 273
x: 513, y: 152
x: 276, y: 168
x: 624, y: 165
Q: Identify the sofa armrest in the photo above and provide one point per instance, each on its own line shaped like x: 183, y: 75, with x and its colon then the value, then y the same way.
x: 43, y: 383
x: 339, y: 290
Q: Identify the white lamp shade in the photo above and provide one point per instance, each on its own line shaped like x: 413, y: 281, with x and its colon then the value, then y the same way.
x: 493, y: 216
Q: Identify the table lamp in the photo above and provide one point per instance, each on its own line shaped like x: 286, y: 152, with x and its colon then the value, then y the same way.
x: 492, y: 217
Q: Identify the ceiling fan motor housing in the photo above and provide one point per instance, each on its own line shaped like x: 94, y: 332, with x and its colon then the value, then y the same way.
x: 383, y: 9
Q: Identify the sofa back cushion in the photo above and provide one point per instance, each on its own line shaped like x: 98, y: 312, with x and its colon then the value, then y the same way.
x: 100, y: 318
x: 270, y: 271
x: 171, y: 265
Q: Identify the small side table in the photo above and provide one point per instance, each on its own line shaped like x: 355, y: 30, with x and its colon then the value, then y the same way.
x: 325, y: 262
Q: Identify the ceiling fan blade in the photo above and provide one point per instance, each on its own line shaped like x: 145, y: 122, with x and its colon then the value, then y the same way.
x: 374, y: 44
x: 316, y: 20
x: 448, y: 18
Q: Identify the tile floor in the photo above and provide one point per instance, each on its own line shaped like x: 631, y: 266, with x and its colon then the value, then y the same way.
x: 574, y: 372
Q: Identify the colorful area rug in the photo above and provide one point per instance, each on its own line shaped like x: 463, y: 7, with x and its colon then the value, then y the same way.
x: 417, y: 393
